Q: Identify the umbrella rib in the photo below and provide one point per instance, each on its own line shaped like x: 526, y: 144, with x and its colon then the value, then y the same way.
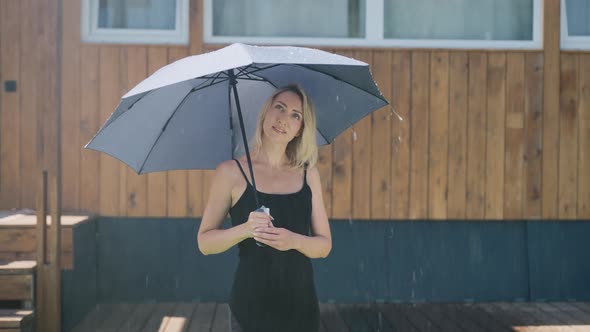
x: 138, y: 99
x: 257, y: 69
x: 200, y: 87
x: 216, y: 77
x: 243, y: 69
x: 255, y: 79
x: 324, y: 136
x: 343, y: 81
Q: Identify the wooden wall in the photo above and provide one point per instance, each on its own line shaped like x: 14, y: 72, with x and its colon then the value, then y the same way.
x: 471, y: 134
x: 29, y: 117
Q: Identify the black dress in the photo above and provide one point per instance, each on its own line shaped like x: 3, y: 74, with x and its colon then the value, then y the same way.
x: 274, y: 290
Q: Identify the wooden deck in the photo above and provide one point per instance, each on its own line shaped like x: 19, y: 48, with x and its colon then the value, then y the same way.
x: 493, y: 317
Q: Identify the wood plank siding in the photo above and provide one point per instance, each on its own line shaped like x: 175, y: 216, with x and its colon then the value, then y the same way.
x: 470, y: 134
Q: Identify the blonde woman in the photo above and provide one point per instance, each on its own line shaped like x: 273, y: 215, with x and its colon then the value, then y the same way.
x: 273, y: 288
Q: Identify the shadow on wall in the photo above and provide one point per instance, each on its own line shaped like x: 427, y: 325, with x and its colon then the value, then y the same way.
x: 142, y: 259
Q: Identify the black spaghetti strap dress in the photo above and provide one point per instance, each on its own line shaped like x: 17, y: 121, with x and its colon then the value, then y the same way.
x: 274, y: 290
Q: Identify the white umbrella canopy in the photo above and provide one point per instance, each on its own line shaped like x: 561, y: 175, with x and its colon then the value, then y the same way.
x: 187, y: 114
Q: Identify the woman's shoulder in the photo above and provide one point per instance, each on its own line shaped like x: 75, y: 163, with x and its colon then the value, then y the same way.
x: 228, y: 169
x: 313, y: 175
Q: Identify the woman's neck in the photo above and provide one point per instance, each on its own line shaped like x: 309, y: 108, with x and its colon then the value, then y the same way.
x: 272, y: 155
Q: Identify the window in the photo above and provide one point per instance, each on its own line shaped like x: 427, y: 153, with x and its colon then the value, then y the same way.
x: 135, y: 21
x: 287, y: 18
x: 509, y: 24
x: 575, y: 24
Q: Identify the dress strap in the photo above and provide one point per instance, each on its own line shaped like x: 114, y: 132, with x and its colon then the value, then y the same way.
x: 305, y: 174
x: 242, y: 170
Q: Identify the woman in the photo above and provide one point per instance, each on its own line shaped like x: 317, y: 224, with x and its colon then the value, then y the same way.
x: 273, y: 288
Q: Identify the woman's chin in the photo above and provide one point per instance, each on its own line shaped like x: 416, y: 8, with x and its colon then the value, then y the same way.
x: 277, y: 138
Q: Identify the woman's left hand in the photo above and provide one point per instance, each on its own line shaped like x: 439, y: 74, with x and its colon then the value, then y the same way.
x: 279, y: 238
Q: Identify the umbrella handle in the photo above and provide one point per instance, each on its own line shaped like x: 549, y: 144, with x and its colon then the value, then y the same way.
x: 265, y: 210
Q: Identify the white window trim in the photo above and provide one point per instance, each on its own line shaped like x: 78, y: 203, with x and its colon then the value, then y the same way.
x: 571, y: 42
x: 91, y: 33
x: 374, y: 29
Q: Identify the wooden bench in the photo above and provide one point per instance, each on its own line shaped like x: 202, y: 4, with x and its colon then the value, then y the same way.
x: 17, y: 283
x: 18, y: 238
x: 16, y: 320
x: 20, y: 275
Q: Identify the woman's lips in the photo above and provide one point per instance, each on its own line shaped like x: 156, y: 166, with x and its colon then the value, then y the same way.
x: 278, y: 131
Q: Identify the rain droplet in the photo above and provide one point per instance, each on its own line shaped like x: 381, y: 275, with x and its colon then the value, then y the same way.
x: 147, y: 281
x: 353, y: 135
x: 398, y: 116
x: 414, y: 276
x: 337, y: 98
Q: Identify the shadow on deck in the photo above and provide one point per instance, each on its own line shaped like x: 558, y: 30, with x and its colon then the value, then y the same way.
x: 177, y: 317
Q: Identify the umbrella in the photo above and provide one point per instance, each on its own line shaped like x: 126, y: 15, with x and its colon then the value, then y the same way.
x: 187, y: 114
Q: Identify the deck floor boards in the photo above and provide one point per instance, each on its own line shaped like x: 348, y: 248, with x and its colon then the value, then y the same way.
x: 397, y: 319
x: 202, y: 318
x: 382, y: 317
x: 181, y: 318
x: 137, y: 318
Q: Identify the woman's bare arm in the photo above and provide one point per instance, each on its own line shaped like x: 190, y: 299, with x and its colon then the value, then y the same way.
x: 319, y: 244
x: 211, y: 238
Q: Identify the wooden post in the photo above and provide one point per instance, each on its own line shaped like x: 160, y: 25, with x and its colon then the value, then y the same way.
x: 41, y: 237
x: 551, y: 72
x: 48, y: 279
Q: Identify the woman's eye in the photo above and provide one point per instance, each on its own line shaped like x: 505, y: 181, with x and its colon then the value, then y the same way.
x: 296, y: 116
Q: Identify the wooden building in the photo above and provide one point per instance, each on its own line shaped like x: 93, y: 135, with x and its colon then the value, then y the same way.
x: 483, y: 134
x: 486, y: 148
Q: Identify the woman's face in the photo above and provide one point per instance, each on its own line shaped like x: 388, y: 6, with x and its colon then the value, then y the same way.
x: 284, y: 118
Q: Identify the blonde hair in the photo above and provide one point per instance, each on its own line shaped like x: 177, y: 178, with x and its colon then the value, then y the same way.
x: 302, y: 151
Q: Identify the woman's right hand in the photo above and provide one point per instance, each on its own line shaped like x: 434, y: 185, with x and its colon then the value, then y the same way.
x: 256, y: 220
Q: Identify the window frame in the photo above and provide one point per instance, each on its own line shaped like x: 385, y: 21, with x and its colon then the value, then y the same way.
x: 374, y: 30
x: 91, y: 33
x: 575, y: 43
